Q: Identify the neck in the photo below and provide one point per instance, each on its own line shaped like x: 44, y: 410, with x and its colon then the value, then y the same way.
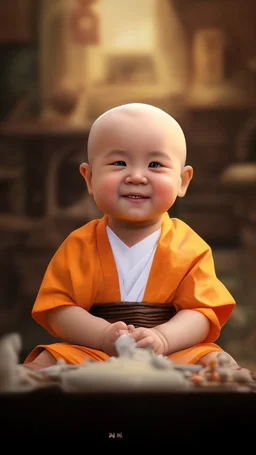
x: 131, y: 232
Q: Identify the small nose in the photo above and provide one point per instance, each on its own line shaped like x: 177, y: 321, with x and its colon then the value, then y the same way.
x: 136, y: 177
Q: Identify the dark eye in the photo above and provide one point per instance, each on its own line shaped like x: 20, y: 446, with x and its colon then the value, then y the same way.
x: 154, y: 164
x: 119, y: 163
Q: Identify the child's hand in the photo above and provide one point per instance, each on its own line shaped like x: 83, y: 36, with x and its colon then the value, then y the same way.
x: 110, y: 335
x: 149, y: 338
x: 129, y: 329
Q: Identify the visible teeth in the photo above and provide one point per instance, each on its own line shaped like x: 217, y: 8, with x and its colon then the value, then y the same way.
x: 135, y: 197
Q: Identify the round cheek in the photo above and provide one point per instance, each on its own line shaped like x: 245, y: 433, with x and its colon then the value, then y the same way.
x: 105, y: 190
x: 165, y: 192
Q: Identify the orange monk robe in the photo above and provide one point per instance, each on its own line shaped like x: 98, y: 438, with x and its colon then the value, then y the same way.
x: 83, y: 272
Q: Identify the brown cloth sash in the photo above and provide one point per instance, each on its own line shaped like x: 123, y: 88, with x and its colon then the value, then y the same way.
x: 138, y: 314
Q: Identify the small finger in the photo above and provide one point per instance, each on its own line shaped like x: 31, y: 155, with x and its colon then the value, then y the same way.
x: 137, y: 335
x: 130, y: 328
x: 144, y: 342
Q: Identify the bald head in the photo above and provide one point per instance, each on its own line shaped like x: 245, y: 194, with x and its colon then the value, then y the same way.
x: 144, y: 115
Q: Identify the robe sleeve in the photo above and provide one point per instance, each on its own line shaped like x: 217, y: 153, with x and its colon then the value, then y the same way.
x: 57, y: 287
x: 201, y: 290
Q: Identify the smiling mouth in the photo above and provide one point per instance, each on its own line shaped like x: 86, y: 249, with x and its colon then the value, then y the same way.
x: 135, y: 196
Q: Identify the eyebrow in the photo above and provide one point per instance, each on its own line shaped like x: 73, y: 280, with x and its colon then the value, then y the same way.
x: 156, y: 154
x: 116, y: 152
x: 159, y: 154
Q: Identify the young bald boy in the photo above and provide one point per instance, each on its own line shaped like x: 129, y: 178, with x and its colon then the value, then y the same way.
x: 136, y: 270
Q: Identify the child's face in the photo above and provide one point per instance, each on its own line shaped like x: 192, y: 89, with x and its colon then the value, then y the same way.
x: 136, y: 172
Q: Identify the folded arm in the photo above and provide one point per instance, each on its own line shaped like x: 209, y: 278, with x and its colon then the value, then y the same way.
x: 77, y: 326
x: 203, y: 306
x: 185, y: 329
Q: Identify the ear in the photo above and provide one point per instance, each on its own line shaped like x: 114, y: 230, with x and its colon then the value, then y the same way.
x: 85, y: 170
x: 186, y: 177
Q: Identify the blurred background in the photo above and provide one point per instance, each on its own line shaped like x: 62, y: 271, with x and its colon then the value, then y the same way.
x: 63, y: 63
